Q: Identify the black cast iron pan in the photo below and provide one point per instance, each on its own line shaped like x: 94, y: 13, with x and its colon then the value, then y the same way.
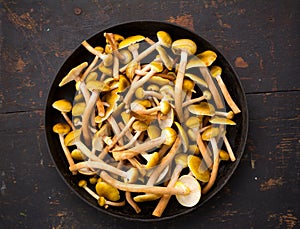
x: 237, y: 134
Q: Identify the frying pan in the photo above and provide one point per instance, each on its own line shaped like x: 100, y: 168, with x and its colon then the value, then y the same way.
x: 236, y: 134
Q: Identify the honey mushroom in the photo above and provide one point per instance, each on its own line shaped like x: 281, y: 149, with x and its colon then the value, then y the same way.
x: 100, y: 199
x: 140, y: 93
x: 216, y: 73
x: 64, y: 106
x: 62, y: 129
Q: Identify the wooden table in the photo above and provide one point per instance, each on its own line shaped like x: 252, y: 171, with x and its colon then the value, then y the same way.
x: 260, y: 39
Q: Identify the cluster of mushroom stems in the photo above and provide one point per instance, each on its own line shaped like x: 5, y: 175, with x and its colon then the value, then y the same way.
x: 147, y: 121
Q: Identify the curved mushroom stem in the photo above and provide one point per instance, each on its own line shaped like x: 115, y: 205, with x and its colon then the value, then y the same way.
x: 132, y: 203
x: 203, y: 151
x: 68, y: 120
x: 195, y: 100
x: 143, y: 188
x: 213, y: 176
x: 229, y: 149
x: 178, y: 85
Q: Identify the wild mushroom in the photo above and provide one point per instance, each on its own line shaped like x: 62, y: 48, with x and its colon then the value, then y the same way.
x: 168, y: 136
x: 183, y: 135
x: 62, y: 129
x: 77, y: 155
x: 182, y: 47
x: 181, y: 163
x: 100, y: 199
x: 196, y: 79
x: 95, y: 87
x: 225, y: 114
x: 215, y: 72
x: 164, y: 107
x: 108, y: 191
x: 155, y: 67
x: 221, y: 120
x: 64, y: 106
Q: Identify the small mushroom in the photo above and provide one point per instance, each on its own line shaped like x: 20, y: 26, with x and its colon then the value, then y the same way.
x: 203, y: 108
x: 184, y: 47
x: 221, y: 120
x: 155, y: 67
x: 140, y: 93
x: 196, y: 79
x: 164, y: 107
x: 183, y: 135
x: 108, y: 191
x: 100, y: 199
x: 225, y: 114
x: 64, y: 106
x: 168, y: 136
x: 77, y: 155
x: 206, y: 96
x: 62, y: 129
x: 216, y: 73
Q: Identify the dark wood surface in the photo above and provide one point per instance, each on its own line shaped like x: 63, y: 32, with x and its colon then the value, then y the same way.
x: 260, y: 39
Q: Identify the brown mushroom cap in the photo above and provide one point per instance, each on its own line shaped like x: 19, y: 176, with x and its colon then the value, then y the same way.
x: 198, y: 169
x: 62, y: 105
x: 170, y: 135
x: 215, y: 71
x: 210, y: 133
x: 107, y: 191
x: 207, y: 57
x: 224, y: 156
x: 193, y: 185
x: 61, y: 128
x: 185, y: 45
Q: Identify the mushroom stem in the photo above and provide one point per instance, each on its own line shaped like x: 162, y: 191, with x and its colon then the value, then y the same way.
x: 195, y: 100
x: 132, y: 203
x: 163, y: 202
x: 228, y: 147
x: 66, y: 151
x: 143, y: 188
x: 213, y: 176
x: 212, y: 87
x: 164, y: 162
x: 68, y: 120
x: 89, y: 68
x: 203, y: 151
x: 178, y: 85
x: 86, y: 117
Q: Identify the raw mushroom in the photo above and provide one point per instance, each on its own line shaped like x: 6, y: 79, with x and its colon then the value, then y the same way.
x: 164, y: 107
x: 64, y: 106
x: 168, y: 136
x: 108, y: 191
x: 182, y: 47
x: 100, y: 199
x: 198, y: 169
x: 140, y: 93
x: 225, y: 114
x: 216, y: 73
x: 206, y: 96
x: 62, y: 129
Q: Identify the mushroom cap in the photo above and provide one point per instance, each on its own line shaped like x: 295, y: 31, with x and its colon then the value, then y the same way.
x: 97, y: 85
x: 62, y: 105
x: 224, y: 156
x: 132, y: 175
x: 165, y: 107
x: 123, y: 83
x: 170, y: 135
x: 146, y: 197
x: 153, y: 131
x: 156, y: 66
x: 210, y: 133
x: 77, y: 155
x: 75, y: 72
x: 130, y: 40
x: 71, y: 137
x: 152, y: 160
x: 183, y: 135
x: 106, y: 70
x: 82, y: 183
x: 164, y: 38
x: 215, y: 71
x: 139, y: 93
x: 139, y: 126
x: 194, y: 195
x: 107, y: 191
x: 197, y: 168
x: 61, y: 128
x: 203, y: 108
x: 207, y: 57
x: 188, y: 85
x: 159, y: 80
x: 193, y: 122
x: 78, y: 108
x: 186, y: 45
x: 221, y: 120
x: 196, y: 79
x: 127, y: 56
x: 207, y: 94
x: 91, y: 76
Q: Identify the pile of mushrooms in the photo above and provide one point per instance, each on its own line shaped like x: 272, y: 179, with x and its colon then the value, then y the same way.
x: 148, y: 121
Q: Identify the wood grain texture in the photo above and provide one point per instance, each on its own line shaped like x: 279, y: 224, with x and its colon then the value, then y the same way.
x: 259, y: 38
